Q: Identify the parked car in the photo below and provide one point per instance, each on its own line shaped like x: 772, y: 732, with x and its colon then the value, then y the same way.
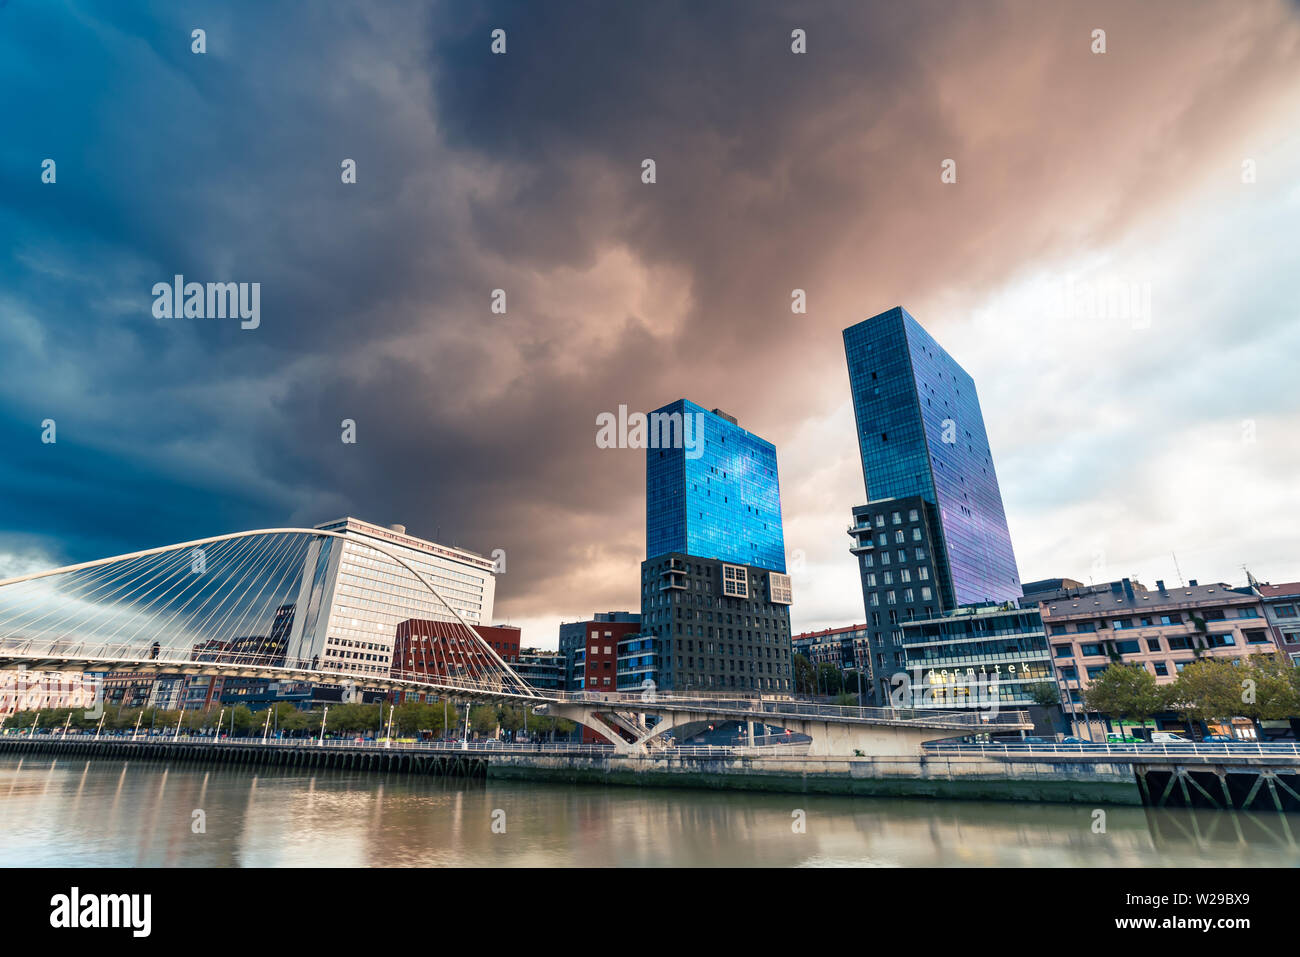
x: 1122, y: 739
x: 1167, y: 737
x: 1074, y: 741
x: 1222, y: 738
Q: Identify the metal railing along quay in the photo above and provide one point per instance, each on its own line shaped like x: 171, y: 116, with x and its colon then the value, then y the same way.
x: 1171, y: 748
x: 481, y: 747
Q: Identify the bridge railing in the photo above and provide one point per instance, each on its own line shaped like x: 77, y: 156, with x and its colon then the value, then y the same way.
x: 1172, y: 748
x: 158, y: 736
x: 135, y: 657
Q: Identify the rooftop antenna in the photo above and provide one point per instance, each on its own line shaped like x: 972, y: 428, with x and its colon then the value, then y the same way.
x: 1181, y: 581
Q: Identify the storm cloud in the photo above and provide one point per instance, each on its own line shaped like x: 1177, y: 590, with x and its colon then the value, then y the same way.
x: 1117, y: 442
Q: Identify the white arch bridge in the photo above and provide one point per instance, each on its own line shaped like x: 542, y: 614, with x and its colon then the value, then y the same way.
x: 324, y: 607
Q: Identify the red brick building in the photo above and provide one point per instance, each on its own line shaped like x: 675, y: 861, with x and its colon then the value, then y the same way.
x: 597, y: 670
x: 423, y: 648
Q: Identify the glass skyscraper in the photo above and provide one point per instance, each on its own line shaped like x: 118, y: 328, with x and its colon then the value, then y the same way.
x: 714, y: 494
x: 928, y: 469
x: 715, y: 599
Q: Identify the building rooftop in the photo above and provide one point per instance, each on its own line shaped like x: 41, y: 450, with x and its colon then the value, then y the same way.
x: 397, y: 535
x: 1133, y: 600
x: 827, y: 632
x: 1285, y: 590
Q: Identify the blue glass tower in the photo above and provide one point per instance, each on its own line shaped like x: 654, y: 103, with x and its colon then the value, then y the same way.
x: 933, y: 534
x: 715, y: 494
x: 715, y: 599
x: 921, y: 432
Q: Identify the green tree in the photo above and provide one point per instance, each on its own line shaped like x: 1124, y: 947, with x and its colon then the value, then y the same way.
x: 1044, y: 693
x: 483, y: 718
x: 805, y: 678
x: 1207, y: 689
x: 1128, y: 692
x: 1273, y: 691
x: 830, y: 681
x: 301, y: 722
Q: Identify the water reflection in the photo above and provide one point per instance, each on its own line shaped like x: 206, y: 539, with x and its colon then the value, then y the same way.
x: 104, y: 813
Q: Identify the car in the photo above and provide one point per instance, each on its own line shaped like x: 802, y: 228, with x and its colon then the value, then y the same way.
x: 1122, y: 739
x: 1222, y: 738
x: 1074, y: 741
x: 1167, y: 737
x: 1036, y: 741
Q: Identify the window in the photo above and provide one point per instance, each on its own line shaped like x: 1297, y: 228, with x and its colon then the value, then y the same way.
x: 916, y: 534
x: 898, y: 519
x: 1063, y: 651
x: 925, y: 596
x: 913, y: 516
x: 1255, y: 636
x: 1162, y: 669
x: 735, y: 582
x: 779, y: 587
x: 1153, y: 644
x: 1090, y: 651
x: 1285, y: 611
x: 899, y: 537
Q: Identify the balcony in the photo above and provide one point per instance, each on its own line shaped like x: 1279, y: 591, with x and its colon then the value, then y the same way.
x: 862, y: 539
x: 669, y: 579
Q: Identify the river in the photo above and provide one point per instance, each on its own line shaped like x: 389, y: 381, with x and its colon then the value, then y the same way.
x: 99, y: 813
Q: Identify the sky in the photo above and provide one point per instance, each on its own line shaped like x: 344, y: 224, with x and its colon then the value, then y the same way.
x: 1116, y: 265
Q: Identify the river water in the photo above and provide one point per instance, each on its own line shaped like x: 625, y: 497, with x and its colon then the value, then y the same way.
x: 61, y: 812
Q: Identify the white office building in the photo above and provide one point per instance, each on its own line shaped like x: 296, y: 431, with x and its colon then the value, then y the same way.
x: 353, y: 596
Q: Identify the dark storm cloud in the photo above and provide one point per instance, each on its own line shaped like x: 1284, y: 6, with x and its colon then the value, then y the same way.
x: 522, y: 172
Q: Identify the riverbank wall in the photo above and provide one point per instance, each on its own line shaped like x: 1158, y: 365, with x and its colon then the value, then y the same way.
x: 964, y: 778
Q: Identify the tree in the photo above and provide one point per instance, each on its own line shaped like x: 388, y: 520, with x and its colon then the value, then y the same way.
x: 805, y: 678
x: 1273, y: 692
x: 1207, y: 689
x: 829, y: 679
x: 483, y: 718
x: 1128, y: 692
x: 301, y: 721
x: 1044, y: 693
x: 242, y: 718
